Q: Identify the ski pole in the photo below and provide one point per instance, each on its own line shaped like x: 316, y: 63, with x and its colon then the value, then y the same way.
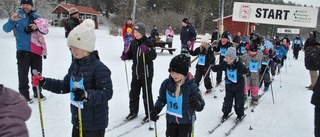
x: 125, y: 66
x: 36, y: 73
x: 205, y: 75
x: 193, y: 119
x: 272, y: 93
x: 248, y: 102
x: 79, y: 112
x: 145, y: 82
x: 214, y: 92
x: 155, y: 129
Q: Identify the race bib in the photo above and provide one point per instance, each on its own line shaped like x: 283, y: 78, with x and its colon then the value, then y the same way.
x: 223, y: 51
x: 232, y: 75
x: 201, y: 60
x: 174, y: 105
x: 253, y: 66
x: 76, y: 83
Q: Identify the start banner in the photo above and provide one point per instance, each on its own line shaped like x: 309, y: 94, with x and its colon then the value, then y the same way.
x: 275, y: 14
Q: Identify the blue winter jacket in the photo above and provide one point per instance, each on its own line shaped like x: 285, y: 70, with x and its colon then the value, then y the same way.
x: 187, y: 34
x: 280, y: 51
x: 98, y: 84
x: 23, y: 40
x: 187, y: 90
x: 297, y: 43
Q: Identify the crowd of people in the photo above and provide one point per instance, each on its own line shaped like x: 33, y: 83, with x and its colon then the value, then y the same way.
x: 247, y: 62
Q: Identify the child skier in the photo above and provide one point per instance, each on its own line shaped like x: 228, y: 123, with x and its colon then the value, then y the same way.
x: 222, y: 47
x: 182, y: 97
x: 265, y: 69
x: 205, y: 59
x: 241, y: 48
x: 281, y: 53
x: 297, y: 45
x: 234, y: 83
x: 252, y: 60
x: 127, y: 39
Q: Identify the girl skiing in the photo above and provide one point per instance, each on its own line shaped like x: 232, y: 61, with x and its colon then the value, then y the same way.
x: 182, y: 97
x: 205, y: 60
x: 88, y: 81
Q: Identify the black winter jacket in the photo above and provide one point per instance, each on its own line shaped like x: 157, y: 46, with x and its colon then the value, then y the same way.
x: 315, y: 99
x: 187, y: 34
x: 98, y: 84
x: 136, y: 55
x: 209, y: 59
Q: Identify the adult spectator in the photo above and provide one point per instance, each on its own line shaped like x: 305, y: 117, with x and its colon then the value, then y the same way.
x: 237, y: 38
x: 72, y: 22
x: 154, y: 33
x: 215, y: 35
x: 187, y: 36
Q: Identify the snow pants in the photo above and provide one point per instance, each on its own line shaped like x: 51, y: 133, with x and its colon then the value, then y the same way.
x: 27, y: 61
x: 314, y: 76
x: 253, y: 84
x: 85, y: 133
x: 296, y: 52
x: 219, y: 73
x: 238, y: 96
x: 178, y: 130
x: 136, y: 85
x: 200, y: 72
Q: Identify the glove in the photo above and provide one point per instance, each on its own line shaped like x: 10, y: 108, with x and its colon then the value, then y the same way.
x: 248, y: 73
x: 79, y: 94
x: 144, y: 48
x: 194, y: 104
x: 154, y: 114
x: 284, y: 57
x: 38, y: 81
x: 123, y: 56
x: 44, y: 57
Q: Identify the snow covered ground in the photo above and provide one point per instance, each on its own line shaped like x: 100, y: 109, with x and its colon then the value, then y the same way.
x: 290, y: 116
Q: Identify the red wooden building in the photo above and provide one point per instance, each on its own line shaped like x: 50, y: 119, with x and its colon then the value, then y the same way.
x: 245, y: 28
x: 62, y: 11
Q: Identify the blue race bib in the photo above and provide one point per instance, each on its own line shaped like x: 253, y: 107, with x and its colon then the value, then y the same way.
x: 223, y: 51
x: 253, y: 66
x: 174, y: 105
x: 201, y: 60
x: 242, y: 49
x: 232, y: 75
x: 74, y: 83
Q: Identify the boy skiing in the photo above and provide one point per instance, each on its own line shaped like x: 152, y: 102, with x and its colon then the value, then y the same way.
x: 234, y: 83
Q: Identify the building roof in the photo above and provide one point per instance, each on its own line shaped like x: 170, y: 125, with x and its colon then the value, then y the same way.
x: 64, y: 8
x: 216, y: 20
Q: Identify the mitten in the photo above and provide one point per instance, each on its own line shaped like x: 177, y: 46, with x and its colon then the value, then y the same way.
x: 80, y: 94
x: 194, y: 104
x: 38, y: 80
x: 248, y: 73
x: 123, y: 56
x: 144, y: 48
x: 154, y: 114
x: 284, y: 57
x: 44, y: 57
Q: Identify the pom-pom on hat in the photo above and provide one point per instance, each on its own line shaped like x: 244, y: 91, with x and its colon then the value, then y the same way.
x: 30, y: 2
x: 73, y: 11
x: 141, y: 28
x: 83, y: 36
x: 205, y: 38
x: 231, y: 53
x: 180, y: 64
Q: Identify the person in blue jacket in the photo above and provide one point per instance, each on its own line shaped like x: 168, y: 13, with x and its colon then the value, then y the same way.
x: 182, y: 97
x: 281, y: 53
x: 187, y: 36
x: 22, y: 23
x: 297, y: 45
x: 234, y: 83
x: 88, y: 81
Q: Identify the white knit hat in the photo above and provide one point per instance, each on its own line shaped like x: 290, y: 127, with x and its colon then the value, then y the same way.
x: 205, y: 38
x: 83, y: 36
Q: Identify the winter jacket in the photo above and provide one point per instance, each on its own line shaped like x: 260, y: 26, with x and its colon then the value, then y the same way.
x: 188, y: 33
x: 215, y: 36
x: 187, y: 90
x: 14, y: 111
x: 97, y: 83
x: 297, y: 43
x: 222, y: 49
x: 136, y: 55
x: 208, y: 56
x: 154, y: 34
x: 315, y: 99
x: 231, y: 84
x: 280, y: 51
x: 124, y: 30
x: 38, y: 43
x: 23, y: 39
x: 70, y: 24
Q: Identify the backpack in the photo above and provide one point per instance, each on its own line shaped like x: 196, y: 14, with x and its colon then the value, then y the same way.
x: 312, y: 58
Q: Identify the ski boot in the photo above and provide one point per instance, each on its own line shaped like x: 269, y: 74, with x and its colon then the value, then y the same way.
x: 145, y: 120
x: 131, y: 116
x: 239, y: 118
x: 254, y: 100
x: 208, y: 91
x: 224, y: 117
